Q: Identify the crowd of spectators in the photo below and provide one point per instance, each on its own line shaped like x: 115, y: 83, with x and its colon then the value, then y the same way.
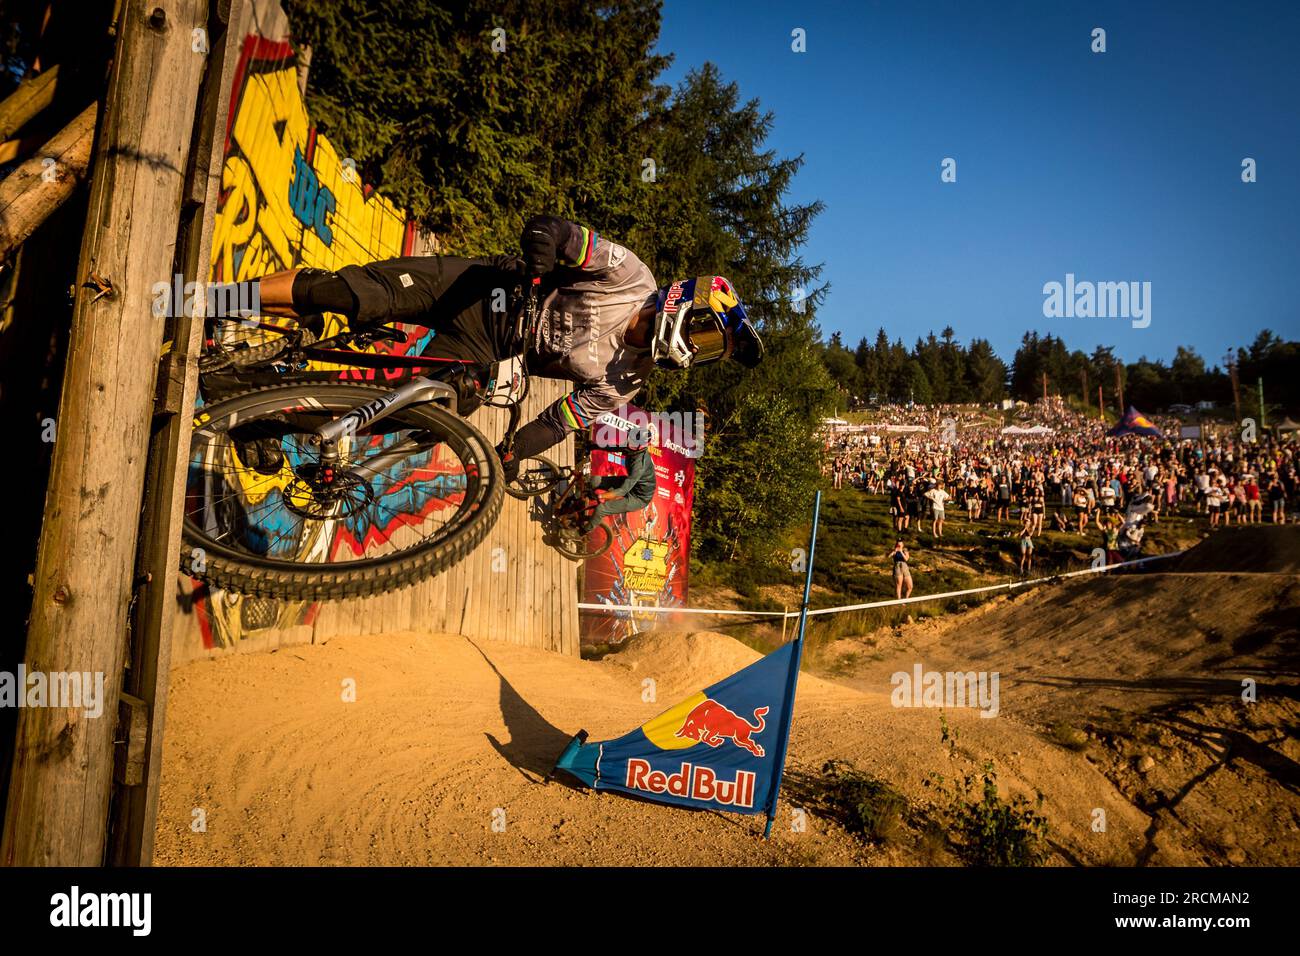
x: 1074, y: 478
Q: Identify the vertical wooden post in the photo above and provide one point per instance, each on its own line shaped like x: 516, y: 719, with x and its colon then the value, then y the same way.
x: 63, y: 758
x: 135, y: 803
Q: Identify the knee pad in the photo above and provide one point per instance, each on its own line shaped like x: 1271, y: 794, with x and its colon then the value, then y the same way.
x: 319, y: 290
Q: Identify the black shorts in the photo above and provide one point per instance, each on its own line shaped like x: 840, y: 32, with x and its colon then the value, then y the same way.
x: 452, y: 296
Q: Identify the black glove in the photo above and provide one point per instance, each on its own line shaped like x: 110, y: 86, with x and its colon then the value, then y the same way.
x: 541, y: 240
x: 512, y: 266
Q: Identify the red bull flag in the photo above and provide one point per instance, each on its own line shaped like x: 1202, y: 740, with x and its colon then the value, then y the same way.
x: 720, y: 749
x: 1134, y: 423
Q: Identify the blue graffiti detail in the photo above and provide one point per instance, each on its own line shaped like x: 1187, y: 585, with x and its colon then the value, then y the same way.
x: 310, y: 201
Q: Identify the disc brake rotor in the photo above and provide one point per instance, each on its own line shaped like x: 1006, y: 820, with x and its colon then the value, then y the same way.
x: 322, y: 492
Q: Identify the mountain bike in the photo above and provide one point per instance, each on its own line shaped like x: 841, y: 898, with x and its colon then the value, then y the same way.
x: 572, y: 500
x: 302, y: 485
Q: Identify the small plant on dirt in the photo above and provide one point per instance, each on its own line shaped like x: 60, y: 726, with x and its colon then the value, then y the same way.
x: 985, y: 829
x: 864, y: 805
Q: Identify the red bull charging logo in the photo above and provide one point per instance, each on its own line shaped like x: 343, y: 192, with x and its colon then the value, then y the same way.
x: 711, y: 723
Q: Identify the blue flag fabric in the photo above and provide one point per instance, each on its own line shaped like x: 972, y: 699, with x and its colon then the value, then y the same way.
x: 1134, y: 423
x: 716, y: 750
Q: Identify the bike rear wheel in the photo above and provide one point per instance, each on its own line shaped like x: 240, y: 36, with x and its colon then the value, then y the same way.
x: 537, y: 476
x: 246, y: 343
x: 297, y: 531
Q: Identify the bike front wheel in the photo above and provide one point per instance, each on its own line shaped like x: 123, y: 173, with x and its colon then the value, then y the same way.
x: 409, y: 495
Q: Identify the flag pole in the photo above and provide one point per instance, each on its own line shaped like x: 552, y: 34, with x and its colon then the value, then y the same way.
x: 783, y: 737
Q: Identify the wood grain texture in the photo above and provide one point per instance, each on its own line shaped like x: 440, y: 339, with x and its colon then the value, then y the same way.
x: 63, y: 763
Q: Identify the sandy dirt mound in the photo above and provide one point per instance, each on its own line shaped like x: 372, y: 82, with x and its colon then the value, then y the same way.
x: 680, y: 664
x: 1261, y: 549
x: 446, y: 738
x: 1143, y: 677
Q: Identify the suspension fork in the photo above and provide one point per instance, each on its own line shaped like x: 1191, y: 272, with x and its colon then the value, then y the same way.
x: 415, y: 392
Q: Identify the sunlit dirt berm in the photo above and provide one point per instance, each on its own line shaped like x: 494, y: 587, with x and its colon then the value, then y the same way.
x: 1156, y: 713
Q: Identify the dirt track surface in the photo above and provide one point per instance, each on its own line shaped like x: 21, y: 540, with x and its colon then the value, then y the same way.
x: 445, y: 735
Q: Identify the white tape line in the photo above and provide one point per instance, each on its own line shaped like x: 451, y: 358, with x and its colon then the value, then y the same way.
x: 1009, y: 586
x: 681, y: 610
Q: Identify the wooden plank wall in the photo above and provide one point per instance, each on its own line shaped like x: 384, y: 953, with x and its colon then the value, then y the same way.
x: 530, y: 598
x: 513, y: 588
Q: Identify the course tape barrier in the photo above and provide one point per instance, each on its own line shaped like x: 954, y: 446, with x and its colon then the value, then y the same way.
x: 1009, y: 586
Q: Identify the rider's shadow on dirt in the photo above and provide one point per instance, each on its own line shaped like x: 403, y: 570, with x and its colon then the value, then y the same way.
x: 535, y: 743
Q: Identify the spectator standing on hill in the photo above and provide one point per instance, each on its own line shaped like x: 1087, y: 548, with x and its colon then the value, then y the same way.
x: 1081, y: 508
x: 1212, y: 502
x: 1107, y: 502
x: 897, y: 505
x: 1037, y: 508
x: 1004, y: 497
x: 1202, y: 483
x: 938, y: 500
x: 1254, y: 504
x: 1110, y: 539
x: 1277, y: 499
x: 902, y: 573
x: 915, y: 503
x: 972, y: 499
x: 1026, y: 549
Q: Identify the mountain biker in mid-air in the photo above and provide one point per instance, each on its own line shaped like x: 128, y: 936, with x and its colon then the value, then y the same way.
x: 604, y: 324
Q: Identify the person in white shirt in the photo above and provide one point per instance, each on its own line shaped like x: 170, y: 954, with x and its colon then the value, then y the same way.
x: 937, y: 498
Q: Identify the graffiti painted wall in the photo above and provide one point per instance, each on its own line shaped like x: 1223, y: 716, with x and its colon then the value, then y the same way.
x: 289, y: 199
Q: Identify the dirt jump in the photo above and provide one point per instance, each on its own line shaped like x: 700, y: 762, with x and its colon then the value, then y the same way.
x: 1168, y: 701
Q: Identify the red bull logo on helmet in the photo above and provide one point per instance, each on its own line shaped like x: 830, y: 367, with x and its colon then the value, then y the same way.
x: 692, y: 782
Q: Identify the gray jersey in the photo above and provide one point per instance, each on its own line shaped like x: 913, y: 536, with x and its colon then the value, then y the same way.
x: 580, y: 337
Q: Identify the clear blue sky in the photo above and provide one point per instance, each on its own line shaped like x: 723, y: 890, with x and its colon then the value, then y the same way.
x: 1116, y: 167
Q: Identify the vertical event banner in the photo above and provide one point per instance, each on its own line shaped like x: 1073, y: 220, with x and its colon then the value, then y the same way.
x: 649, y: 561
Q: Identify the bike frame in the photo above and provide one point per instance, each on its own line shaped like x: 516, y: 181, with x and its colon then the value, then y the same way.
x: 417, y: 391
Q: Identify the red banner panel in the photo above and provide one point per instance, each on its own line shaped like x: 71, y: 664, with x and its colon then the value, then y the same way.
x: 649, y: 561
